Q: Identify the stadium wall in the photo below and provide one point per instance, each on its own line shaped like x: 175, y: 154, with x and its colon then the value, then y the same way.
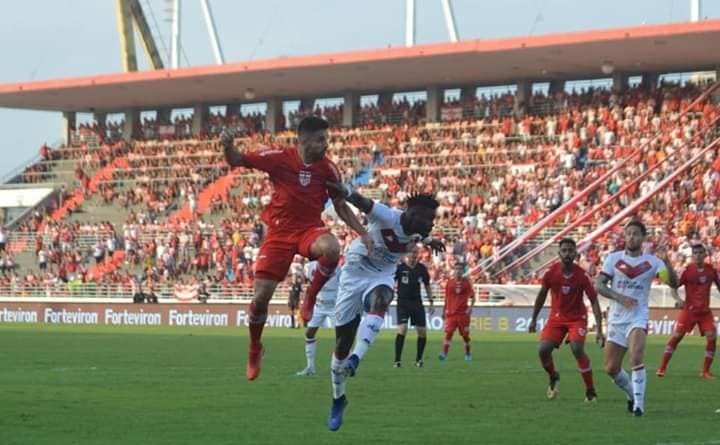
x: 483, y: 319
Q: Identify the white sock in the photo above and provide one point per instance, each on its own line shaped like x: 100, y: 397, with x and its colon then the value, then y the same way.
x: 638, y: 385
x: 369, y: 329
x: 337, y: 377
x: 622, y: 380
x: 310, y: 346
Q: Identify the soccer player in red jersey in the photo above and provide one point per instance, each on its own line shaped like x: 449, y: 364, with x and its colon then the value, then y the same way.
x: 697, y: 278
x: 567, y: 282
x: 456, y: 312
x: 299, y: 175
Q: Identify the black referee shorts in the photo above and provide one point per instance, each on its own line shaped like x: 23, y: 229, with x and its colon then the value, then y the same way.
x: 412, y: 312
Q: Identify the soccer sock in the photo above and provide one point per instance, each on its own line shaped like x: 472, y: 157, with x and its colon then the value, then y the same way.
x: 337, y: 377
x: 638, y: 385
x: 709, y: 355
x: 669, y: 349
x: 369, y: 329
x: 256, y: 323
x: 622, y: 380
x: 548, y: 365
x: 310, y: 346
x: 585, y: 371
x: 421, y: 341
x: 322, y: 274
x: 399, y: 343
x: 467, y: 344
x: 446, y: 343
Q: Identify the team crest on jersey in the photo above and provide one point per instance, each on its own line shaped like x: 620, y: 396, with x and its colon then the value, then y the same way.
x: 703, y: 279
x: 565, y: 289
x: 305, y: 177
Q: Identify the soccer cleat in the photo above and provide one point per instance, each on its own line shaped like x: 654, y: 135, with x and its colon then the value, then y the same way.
x: 707, y: 375
x: 442, y: 356
x: 397, y: 365
x: 552, y: 390
x: 638, y: 412
x: 590, y: 396
x: 351, y: 365
x: 419, y: 364
x: 660, y: 372
x: 307, y: 372
x: 468, y: 357
x: 335, y: 419
x: 631, y: 406
x: 252, y: 370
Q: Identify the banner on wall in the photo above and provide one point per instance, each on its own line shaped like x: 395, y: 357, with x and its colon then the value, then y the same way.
x: 483, y: 319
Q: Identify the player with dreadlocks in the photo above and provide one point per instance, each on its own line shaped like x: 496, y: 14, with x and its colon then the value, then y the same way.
x: 368, y: 278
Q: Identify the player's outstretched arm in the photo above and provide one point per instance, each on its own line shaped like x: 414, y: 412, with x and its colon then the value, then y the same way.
x: 537, y: 307
x: 345, y: 213
x: 232, y: 156
x: 601, y: 286
x: 350, y: 195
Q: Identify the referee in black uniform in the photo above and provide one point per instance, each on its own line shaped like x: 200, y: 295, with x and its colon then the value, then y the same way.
x: 408, y: 276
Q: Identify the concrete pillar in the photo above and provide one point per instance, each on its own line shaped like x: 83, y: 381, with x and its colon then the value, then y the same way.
x: 131, y: 118
x: 434, y: 102
x: 620, y: 82
x: 351, y: 105
x: 199, y: 119
x: 307, y: 104
x: 69, y: 120
x: 556, y: 86
x: 522, y: 97
x: 650, y: 81
x: 163, y: 116
x: 468, y: 94
x: 272, y: 115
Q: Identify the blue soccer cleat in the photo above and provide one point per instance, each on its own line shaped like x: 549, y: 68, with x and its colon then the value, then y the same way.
x: 442, y: 356
x: 351, y: 365
x: 468, y: 357
x: 335, y: 419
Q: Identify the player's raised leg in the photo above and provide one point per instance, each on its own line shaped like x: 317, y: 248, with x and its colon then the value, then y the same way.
x: 614, y: 354
x: 378, y: 300
x: 670, y: 347
x: 344, y: 335
x: 636, y: 349
x: 324, y: 248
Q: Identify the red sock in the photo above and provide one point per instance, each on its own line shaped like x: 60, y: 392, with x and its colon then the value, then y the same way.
x: 321, y: 276
x: 446, y: 343
x: 548, y: 365
x: 467, y: 344
x: 256, y: 323
x: 709, y: 355
x: 585, y: 371
x: 669, y: 349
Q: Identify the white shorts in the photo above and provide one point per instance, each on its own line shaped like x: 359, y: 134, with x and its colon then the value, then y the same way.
x: 618, y: 332
x: 323, y: 316
x: 355, y: 285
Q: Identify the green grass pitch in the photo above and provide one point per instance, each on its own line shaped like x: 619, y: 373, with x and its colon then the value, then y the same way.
x: 120, y: 385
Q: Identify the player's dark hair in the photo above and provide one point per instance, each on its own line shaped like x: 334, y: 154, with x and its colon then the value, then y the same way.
x: 312, y: 124
x: 426, y: 200
x: 567, y: 241
x: 639, y: 225
x: 698, y: 246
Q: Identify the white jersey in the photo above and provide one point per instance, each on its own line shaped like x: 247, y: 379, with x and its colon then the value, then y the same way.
x: 632, y: 277
x: 328, y: 294
x: 391, y: 242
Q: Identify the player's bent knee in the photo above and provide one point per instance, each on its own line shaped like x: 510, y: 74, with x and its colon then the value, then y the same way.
x: 327, y: 246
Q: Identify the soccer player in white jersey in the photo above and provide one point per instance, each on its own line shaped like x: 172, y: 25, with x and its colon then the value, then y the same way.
x: 631, y: 273
x: 323, y: 314
x: 367, y: 281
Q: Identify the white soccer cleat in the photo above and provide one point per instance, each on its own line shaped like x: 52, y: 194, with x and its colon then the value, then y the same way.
x: 307, y: 372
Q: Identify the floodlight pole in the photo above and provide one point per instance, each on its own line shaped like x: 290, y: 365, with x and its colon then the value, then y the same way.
x: 409, y: 23
x: 175, y: 49
x: 694, y: 10
x: 212, y: 32
x: 450, y: 20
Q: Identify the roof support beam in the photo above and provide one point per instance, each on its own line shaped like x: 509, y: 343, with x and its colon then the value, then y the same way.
x: 127, y: 39
x: 146, y: 37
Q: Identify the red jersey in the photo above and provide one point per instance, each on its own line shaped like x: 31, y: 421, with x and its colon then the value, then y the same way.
x: 697, y: 284
x: 300, y: 193
x: 567, y: 292
x: 457, y: 294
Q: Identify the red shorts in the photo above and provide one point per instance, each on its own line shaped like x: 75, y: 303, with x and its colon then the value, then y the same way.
x: 279, y: 249
x: 555, y: 331
x: 461, y: 322
x: 687, y: 320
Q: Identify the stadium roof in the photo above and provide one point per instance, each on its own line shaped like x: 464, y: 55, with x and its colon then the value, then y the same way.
x: 673, y: 47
